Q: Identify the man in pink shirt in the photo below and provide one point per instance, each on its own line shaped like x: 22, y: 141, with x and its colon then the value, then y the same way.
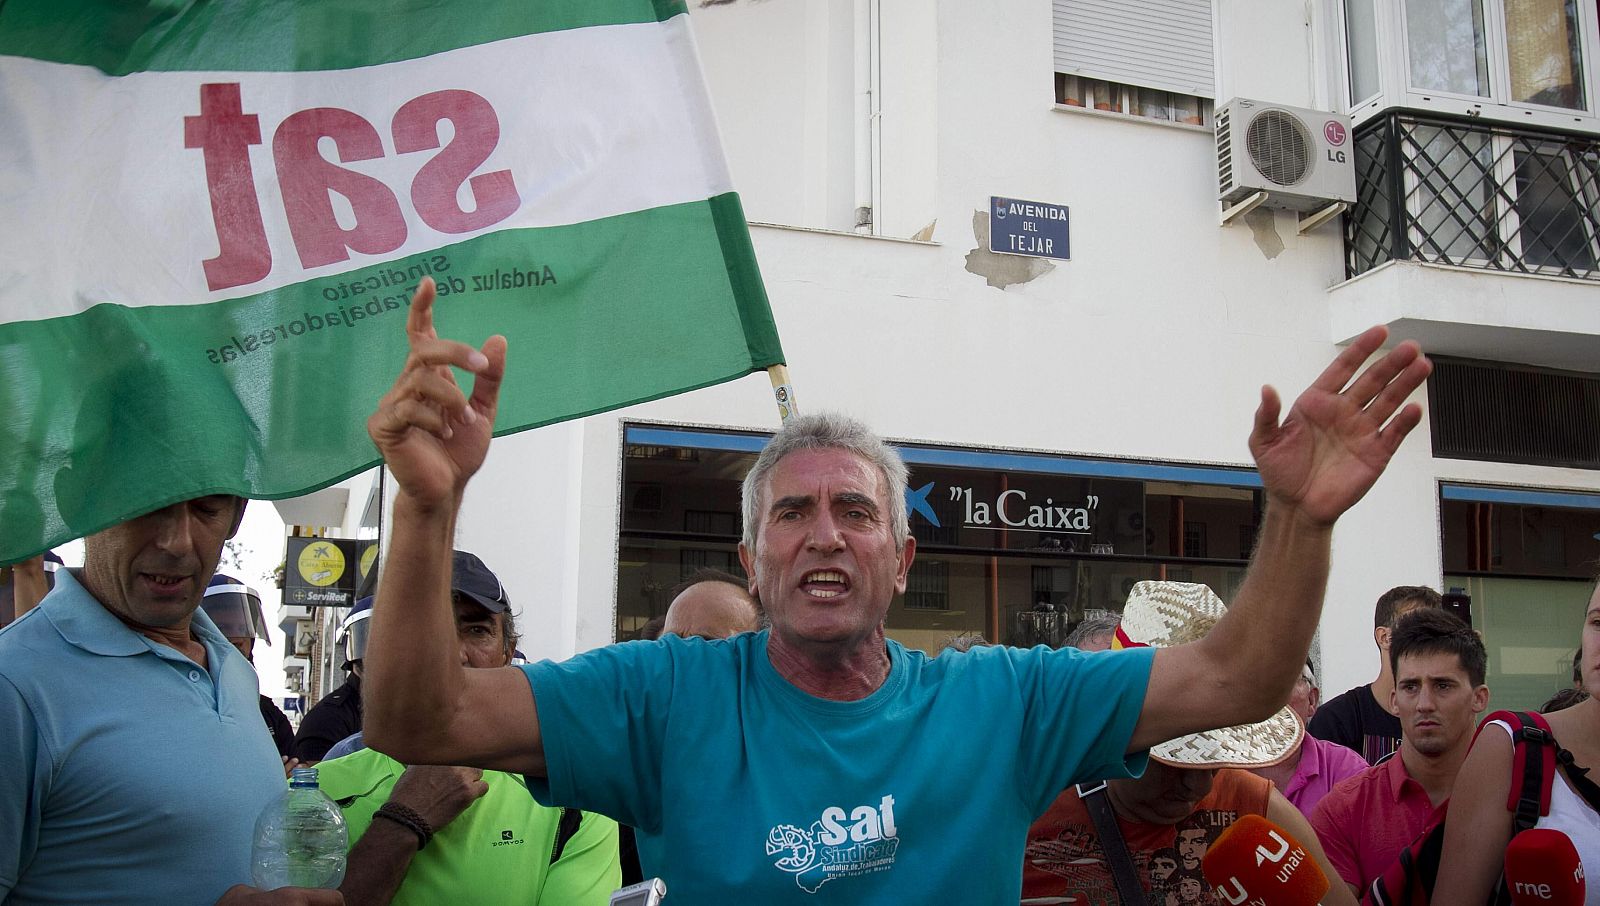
x: 1366, y: 820
x: 1313, y: 768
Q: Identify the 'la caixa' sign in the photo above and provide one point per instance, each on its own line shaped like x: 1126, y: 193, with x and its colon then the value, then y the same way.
x: 1033, y: 228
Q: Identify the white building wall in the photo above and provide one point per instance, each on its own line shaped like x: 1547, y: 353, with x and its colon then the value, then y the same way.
x: 517, y: 517
x: 908, y: 117
x: 1270, y: 51
x: 785, y: 104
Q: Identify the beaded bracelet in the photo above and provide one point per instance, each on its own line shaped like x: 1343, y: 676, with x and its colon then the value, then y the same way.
x: 407, y: 817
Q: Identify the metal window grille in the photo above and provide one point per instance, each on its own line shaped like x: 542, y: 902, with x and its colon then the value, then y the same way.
x: 710, y: 522
x: 948, y: 531
x: 1463, y: 192
x: 1194, y: 539
x: 928, y: 585
x: 692, y: 560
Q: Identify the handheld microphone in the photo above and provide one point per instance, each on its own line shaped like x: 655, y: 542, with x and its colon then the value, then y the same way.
x: 1257, y: 862
x: 1543, y: 869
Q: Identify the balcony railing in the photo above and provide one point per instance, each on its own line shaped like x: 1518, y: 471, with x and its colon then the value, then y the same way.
x: 1474, y: 194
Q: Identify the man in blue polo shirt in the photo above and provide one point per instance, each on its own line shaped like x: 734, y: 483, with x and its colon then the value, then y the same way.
x: 135, y: 758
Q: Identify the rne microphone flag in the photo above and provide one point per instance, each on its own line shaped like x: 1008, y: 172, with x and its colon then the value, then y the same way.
x: 1543, y: 868
x: 1257, y: 863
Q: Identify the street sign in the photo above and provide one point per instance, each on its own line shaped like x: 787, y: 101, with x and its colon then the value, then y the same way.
x: 1034, y: 229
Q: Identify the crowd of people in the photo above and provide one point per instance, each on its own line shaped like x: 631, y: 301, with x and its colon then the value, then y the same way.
x: 772, y: 745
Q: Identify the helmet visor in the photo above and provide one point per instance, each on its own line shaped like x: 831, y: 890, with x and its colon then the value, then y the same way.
x: 355, y: 641
x: 236, y: 609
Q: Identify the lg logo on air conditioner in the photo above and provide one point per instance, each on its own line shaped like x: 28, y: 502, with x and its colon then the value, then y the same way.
x: 1335, y: 133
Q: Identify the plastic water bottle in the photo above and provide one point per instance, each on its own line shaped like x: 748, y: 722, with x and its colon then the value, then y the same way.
x: 300, y: 838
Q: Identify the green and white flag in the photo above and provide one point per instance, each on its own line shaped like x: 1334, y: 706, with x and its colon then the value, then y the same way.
x: 213, y: 214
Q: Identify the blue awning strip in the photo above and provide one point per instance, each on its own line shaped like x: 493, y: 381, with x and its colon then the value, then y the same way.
x: 1522, y: 496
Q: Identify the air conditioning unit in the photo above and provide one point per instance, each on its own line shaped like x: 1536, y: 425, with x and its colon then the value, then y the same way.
x: 303, y: 640
x: 1288, y: 158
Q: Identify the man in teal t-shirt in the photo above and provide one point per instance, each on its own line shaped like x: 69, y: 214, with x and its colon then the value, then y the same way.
x: 779, y: 794
x: 819, y: 761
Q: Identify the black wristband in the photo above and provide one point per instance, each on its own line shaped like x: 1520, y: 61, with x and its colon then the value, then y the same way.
x: 407, y: 817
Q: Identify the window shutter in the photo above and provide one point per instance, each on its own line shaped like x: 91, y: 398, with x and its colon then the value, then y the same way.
x: 1161, y: 44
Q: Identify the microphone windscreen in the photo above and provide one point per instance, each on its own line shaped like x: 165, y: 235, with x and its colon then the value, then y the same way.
x: 1256, y: 861
x: 1543, y: 867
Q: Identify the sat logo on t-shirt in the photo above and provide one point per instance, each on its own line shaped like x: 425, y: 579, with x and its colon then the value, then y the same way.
x: 831, y: 848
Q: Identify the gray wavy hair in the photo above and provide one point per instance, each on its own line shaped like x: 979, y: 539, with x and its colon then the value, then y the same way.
x: 827, y: 431
x: 1094, y: 625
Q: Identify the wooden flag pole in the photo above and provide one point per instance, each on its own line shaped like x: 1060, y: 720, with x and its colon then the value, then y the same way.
x: 782, y: 392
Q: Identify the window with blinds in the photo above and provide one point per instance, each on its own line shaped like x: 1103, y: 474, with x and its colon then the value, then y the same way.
x: 1151, y: 58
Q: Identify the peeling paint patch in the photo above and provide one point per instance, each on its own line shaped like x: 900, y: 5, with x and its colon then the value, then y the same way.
x: 1001, y: 271
x: 926, y: 233
x: 1264, y: 229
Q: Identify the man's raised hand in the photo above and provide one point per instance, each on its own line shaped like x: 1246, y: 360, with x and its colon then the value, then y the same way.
x: 1337, y: 439
x: 431, y: 435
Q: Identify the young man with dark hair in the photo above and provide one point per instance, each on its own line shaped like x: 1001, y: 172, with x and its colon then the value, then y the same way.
x: 1439, y: 665
x: 1360, y: 718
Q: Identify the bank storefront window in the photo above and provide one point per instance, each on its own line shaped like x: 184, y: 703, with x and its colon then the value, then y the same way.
x: 1016, y: 547
x: 1527, y: 558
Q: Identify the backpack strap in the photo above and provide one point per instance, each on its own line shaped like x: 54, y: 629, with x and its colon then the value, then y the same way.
x: 1111, y: 843
x: 1531, y: 777
x: 1533, y: 768
x: 1533, y: 771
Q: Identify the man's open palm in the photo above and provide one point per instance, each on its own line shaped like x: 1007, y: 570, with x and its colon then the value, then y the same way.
x: 1337, y: 439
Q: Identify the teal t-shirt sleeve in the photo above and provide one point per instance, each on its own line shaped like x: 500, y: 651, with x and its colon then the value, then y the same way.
x: 602, y: 717
x: 24, y: 783
x: 590, y: 867
x: 1079, y: 711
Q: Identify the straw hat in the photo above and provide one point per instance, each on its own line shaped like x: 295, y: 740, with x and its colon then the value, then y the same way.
x: 1168, y: 614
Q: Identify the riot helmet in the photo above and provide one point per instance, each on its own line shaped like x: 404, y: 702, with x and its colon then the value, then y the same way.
x: 353, y: 632
x: 235, y: 608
